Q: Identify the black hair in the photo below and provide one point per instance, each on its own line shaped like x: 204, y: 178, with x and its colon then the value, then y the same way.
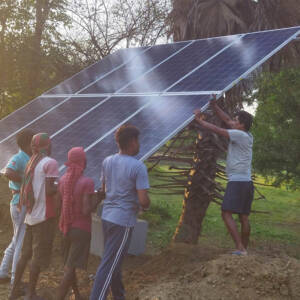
x: 246, y: 119
x: 125, y: 134
x: 24, y: 138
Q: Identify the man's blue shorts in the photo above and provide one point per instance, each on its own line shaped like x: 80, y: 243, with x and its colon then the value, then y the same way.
x: 238, y: 197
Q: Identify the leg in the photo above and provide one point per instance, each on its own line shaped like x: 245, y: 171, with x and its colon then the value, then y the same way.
x: 116, y: 244
x: 66, y: 283
x: 75, y: 287
x: 25, y: 257
x: 76, y: 247
x: 9, y: 251
x: 15, y: 291
x: 42, y: 239
x: 33, y: 278
x: 117, y: 286
x: 232, y: 229
x: 245, y: 229
x: 19, y: 237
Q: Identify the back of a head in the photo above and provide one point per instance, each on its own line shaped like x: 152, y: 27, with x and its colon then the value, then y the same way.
x: 41, y: 143
x: 24, y: 138
x: 125, y: 134
x: 77, y: 156
x: 246, y: 119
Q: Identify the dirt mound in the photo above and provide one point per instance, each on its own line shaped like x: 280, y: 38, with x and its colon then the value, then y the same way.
x: 181, y: 272
x: 191, y: 273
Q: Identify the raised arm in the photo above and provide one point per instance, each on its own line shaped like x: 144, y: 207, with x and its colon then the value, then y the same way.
x: 209, y: 126
x: 220, y: 113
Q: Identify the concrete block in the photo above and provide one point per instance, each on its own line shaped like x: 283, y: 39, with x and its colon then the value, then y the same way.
x: 137, y: 244
x: 97, y: 241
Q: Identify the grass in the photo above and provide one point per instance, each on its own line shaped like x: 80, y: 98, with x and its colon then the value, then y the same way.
x: 281, y: 225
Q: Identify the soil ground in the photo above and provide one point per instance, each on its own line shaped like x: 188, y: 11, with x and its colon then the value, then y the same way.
x: 180, y: 272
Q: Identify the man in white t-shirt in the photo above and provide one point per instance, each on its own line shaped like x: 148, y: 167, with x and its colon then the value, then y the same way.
x: 38, y: 195
x: 239, y: 191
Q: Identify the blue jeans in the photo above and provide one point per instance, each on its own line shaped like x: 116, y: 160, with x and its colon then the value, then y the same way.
x: 109, y: 274
x: 13, y: 251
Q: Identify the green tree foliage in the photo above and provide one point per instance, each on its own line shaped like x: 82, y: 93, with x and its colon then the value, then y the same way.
x: 33, y: 53
x: 277, y: 127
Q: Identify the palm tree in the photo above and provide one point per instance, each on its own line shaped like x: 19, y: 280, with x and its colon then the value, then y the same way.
x: 194, y: 19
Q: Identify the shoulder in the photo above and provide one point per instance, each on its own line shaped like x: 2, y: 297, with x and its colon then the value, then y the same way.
x: 108, y: 158
x: 133, y: 161
x: 50, y: 166
x: 237, y: 134
x: 16, y: 162
x: 14, y: 159
x: 139, y: 165
x: 236, y: 131
x: 48, y: 161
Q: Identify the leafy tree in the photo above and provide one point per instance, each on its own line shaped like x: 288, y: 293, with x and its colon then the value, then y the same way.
x: 276, y: 127
x: 33, y: 53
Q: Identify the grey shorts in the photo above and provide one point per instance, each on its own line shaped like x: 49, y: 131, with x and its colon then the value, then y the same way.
x: 238, y: 197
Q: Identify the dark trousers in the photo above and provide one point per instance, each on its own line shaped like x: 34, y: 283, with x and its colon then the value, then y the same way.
x: 109, y: 274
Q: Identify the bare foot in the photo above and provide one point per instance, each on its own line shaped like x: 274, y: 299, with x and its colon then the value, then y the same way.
x: 76, y: 297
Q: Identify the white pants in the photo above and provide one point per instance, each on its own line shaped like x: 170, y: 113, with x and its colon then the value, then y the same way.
x: 13, y: 251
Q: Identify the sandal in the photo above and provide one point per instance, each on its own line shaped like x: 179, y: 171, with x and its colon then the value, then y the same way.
x: 239, y: 253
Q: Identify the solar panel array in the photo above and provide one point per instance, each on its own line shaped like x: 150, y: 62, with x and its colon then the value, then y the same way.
x: 155, y: 88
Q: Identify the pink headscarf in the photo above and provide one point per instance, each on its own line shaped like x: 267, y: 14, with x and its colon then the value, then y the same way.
x: 76, y: 164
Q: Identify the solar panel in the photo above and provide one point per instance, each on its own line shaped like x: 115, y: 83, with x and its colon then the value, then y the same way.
x: 155, y: 88
x: 158, y: 121
x: 98, y: 71
x: 235, y: 62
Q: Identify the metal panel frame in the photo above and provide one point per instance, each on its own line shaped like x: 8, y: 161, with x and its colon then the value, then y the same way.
x: 124, y: 95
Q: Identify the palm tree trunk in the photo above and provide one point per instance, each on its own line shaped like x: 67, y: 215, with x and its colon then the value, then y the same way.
x: 200, y: 188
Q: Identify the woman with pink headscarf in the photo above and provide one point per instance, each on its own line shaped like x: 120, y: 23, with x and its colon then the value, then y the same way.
x: 77, y: 202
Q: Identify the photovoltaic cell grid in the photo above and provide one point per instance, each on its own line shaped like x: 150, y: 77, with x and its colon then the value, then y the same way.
x: 155, y: 88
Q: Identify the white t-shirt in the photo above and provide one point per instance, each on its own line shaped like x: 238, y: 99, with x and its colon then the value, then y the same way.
x: 239, y: 155
x: 123, y: 175
x: 43, y: 208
